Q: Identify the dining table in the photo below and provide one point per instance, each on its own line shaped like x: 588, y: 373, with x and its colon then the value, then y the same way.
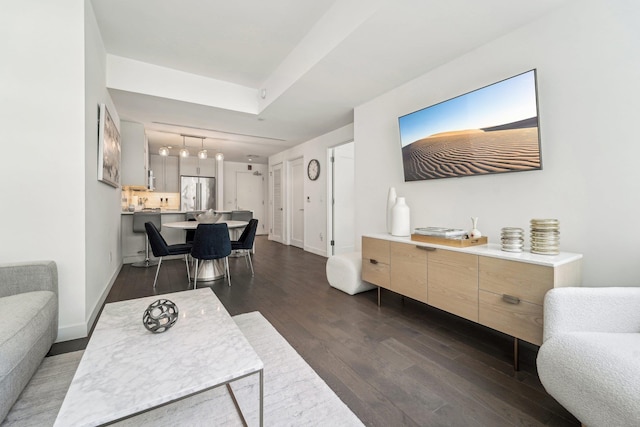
x: 209, y: 269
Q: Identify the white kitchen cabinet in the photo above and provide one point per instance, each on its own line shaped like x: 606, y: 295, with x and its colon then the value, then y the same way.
x: 134, y: 152
x: 165, y: 169
x: 193, y: 166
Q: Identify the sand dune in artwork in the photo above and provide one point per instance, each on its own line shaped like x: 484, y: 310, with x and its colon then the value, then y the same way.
x: 463, y: 153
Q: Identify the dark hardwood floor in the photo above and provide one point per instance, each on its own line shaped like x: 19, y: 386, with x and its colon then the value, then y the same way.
x: 401, y: 364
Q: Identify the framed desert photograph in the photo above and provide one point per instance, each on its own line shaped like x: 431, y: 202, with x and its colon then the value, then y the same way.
x: 108, y: 149
x: 493, y: 129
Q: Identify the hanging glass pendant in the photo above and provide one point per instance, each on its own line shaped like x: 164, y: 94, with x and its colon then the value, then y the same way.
x: 183, y: 151
x: 202, y: 154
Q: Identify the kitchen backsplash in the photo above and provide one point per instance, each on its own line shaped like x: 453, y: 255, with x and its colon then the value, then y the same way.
x: 149, y: 199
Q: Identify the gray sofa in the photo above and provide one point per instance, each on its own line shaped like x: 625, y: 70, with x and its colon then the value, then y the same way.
x: 28, y: 324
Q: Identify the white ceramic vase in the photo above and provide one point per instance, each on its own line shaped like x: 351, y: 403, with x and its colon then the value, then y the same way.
x: 474, y: 233
x: 391, y: 201
x: 400, y: 224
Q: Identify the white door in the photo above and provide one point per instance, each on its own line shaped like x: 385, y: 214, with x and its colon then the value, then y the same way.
x: 278, y: 207
x: 250, y: 196
x: 297, y: 203
x: 343, y: 218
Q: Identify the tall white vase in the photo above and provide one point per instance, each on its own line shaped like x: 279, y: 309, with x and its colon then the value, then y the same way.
x: 391, y: 201
x: 400, y: 224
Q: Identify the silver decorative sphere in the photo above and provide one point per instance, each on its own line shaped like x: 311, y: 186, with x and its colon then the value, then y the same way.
x: 160, y: 316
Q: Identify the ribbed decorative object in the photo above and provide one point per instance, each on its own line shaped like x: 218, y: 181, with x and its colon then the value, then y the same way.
x: 512, y: 239
x: 545, y: 236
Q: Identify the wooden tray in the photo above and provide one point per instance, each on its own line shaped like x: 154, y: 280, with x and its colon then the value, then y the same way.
x: 458, y: 243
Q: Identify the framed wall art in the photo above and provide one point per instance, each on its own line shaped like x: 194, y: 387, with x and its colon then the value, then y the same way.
x: 493, y: 129
x: 108, y: 149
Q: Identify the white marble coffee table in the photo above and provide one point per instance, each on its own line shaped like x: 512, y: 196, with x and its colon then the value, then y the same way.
x: 127, y: 370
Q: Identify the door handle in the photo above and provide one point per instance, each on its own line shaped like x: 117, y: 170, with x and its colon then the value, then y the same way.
x: 426, y: 248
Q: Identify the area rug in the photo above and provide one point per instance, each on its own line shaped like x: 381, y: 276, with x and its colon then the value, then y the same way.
x: 294, y: 395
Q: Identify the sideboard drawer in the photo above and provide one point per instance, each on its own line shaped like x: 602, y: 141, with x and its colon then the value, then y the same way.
x: 520, y: 319
x: 376, y: 273
x: 529, y: 282
x: 409, y: 270
x: 375, y: 262
x: 376, y: 249
x: 453, y: 283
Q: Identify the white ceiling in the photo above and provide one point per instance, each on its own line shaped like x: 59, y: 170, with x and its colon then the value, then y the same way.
x: 316, y: 59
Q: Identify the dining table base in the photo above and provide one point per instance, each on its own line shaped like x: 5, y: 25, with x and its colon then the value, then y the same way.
x: 209, y: 270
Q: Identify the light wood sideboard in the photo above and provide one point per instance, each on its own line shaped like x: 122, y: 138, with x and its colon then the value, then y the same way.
x: 501, y: 290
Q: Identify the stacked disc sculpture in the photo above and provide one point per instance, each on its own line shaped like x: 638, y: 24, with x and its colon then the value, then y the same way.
x: 512, y: 239
x: 545, y: 236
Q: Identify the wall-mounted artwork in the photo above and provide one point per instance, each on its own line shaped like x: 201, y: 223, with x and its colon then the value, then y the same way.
x: 108, y: 149
x: 490, y: 130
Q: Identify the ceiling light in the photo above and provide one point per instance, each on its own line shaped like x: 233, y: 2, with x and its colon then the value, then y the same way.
x: 163, y: 151
x: 202, y: 154
x: 219, y: 156
x: 183, y: 151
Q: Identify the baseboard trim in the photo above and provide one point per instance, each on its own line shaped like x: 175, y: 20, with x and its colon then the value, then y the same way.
x: 81, y: 330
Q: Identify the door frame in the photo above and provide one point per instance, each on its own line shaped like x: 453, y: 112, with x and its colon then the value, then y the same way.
x: 272, y: 236
x: 262, y: 210
x: 330, y: 195
x: 290, y: 195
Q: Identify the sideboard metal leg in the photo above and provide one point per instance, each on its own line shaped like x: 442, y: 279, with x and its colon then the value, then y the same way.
x: 378, y: 296
x: 516, y: 359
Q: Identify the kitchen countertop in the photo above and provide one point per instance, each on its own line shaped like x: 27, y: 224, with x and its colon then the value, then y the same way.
x: 163, y: 212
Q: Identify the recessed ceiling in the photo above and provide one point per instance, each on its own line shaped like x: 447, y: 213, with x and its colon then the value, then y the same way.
x: 315, y: 60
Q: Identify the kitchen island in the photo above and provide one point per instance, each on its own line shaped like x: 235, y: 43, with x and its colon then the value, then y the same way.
x: 133, y: 243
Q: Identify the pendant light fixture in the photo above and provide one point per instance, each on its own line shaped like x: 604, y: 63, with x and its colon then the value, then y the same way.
x: 183, y: 151
x: 163, y: 151
x: 202, y: 154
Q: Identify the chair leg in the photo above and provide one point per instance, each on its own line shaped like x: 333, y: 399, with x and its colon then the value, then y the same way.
x: 226, y: 266
x: 245, y: 257
x: 186, y: 261
x: 195, y: 275
x: 157, y: 271
x: 249, y: 262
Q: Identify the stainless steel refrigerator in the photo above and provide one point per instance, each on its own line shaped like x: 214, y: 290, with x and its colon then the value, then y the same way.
x: 197, y: 193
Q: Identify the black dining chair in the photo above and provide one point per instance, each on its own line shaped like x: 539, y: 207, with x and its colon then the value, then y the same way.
x: 188, y: 237
x: 245, y: 242
x: 211, y: 242
x: 160, y: 248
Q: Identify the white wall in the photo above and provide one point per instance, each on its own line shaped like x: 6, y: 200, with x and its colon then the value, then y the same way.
x: 48, y: 169
x: 42, y: 132
x: 315, y: 213
x: 589, y: 92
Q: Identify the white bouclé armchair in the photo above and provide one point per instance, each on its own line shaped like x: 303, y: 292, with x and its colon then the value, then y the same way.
x: 589, y: 360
